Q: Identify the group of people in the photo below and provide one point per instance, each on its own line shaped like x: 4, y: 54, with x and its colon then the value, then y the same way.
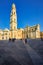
x: 25, y: 40
x: 13, y: 40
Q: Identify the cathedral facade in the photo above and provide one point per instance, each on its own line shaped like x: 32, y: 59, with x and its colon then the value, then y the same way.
x: 28, y: 32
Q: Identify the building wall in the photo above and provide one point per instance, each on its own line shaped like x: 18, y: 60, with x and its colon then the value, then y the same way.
x: 19, y: 34
x: 41, y: 34
x: 6, y: 35
x: 1, y: 32
x: 38, y: 31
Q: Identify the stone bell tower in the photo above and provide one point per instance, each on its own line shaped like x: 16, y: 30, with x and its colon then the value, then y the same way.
x: 13, y: 21
x: 13, y: 18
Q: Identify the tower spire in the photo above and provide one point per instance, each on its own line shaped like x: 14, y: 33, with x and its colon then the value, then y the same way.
x: 13, y: 6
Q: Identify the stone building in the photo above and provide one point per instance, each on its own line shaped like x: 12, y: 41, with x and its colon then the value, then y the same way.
x: 28, y: 32
x: 32, y: 32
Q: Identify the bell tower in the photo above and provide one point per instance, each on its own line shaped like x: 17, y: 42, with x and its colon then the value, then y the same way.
x: 13, y: 18
x: 13, y: 21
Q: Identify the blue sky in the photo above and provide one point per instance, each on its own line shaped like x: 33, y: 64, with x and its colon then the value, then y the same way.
x: 29, y: 12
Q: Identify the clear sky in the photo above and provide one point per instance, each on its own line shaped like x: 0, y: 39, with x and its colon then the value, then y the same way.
x: 29, y: 12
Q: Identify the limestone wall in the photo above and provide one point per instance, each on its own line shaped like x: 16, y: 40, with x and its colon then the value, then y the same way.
x: 41, y: 34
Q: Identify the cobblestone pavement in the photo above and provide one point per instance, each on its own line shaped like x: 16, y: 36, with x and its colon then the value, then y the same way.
x: 19, y: 53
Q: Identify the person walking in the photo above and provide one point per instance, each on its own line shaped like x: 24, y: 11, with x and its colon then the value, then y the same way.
x: 25, y: 40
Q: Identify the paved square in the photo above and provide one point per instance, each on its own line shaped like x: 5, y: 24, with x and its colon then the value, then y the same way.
x: 18, y: 53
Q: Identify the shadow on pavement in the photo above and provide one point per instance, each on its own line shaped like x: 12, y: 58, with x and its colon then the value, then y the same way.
x: 10, y: 61
x: 7, y: 60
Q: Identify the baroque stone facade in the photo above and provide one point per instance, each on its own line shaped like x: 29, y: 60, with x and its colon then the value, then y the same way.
x: 28, y: 32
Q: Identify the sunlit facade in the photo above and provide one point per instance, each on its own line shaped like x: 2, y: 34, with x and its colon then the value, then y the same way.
x: 28, y: 32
